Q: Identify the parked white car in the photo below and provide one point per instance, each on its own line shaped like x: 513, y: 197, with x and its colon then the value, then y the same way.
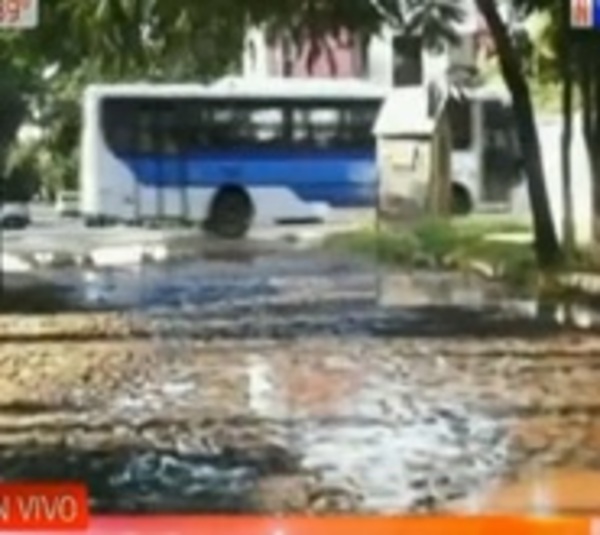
x: 14, y: 215
x: 67, y: 203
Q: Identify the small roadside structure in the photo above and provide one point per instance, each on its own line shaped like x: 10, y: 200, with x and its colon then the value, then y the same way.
x: 414, y: 146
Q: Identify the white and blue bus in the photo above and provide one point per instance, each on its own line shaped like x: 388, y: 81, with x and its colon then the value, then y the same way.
x: 244, y: 151
x: 228, y: 156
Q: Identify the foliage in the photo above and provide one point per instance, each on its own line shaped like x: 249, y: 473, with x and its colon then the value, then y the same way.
x: 453, y: 244
x: 22, y: 176
x: 180, y: 40
x: 83, y: 42
x: 435, y: 21
x: 14, y: 88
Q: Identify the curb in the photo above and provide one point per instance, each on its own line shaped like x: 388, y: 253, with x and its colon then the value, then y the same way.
x: 115, y: 256
x: 140, y: 253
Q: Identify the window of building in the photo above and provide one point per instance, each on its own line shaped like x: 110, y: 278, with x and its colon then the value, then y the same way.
x: 461, y: 124
x: 408, y: 60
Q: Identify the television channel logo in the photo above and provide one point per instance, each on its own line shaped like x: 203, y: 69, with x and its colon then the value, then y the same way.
x: 19, y: 14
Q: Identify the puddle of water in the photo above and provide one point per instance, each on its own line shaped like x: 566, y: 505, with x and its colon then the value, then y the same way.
x: 425, y: 288
x: 287, y: 286
x: 156, y: 473
x: 393, y: 461
x: 399, y: 443
x: 13, y: 264
x: 117, y: 256
x: 380, y: 430
x: 396, y: 465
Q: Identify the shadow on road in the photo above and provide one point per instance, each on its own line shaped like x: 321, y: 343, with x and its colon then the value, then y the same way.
x: 336, y: 317
x: 133, y: 480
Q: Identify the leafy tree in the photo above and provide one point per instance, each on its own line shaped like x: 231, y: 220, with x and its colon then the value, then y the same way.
x: 587, y: 48
x: 546, y: 242
x: 584, y: 60
x: 14, y: 87
x: 22, y: 176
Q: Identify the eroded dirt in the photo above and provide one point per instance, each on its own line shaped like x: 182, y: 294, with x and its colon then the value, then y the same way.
x: 285, y: 386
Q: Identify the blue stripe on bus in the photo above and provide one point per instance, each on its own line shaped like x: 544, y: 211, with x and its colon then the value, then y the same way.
x: 313, y: 177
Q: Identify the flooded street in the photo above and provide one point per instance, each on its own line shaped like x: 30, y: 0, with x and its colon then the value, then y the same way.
x: 292, y: 381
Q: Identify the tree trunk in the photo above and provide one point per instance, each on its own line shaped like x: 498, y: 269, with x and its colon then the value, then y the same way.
x: 594, y: 141
x: 586, y: 80
x: 589, y: 84
x: 567, y: 135
x: 586, y: 89
x: 2, y: 187
x: 547, y: 247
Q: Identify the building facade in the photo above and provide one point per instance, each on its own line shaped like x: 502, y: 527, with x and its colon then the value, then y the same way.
x: 387, y: 58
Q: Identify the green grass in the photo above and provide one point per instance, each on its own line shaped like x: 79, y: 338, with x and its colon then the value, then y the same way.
x: 492, y: 223
x: 458, y: 244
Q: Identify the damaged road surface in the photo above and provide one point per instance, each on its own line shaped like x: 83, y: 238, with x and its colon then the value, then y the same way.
x: 281, y: 384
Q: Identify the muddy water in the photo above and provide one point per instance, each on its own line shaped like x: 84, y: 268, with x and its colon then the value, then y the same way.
x: 571, y: 492
x: 376, y: 430
x: 284, y: 382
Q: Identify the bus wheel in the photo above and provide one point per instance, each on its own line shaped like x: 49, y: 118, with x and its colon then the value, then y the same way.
x: 92, y: 222
x: 461, y: 200
x: 231, y: 213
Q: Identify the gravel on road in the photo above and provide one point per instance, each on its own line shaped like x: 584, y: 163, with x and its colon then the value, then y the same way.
x: 282, y: 385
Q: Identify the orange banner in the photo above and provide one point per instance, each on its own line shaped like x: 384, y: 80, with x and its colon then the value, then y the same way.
x: 207, y: 525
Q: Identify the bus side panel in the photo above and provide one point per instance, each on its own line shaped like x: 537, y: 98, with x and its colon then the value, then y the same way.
x: 338, y: 178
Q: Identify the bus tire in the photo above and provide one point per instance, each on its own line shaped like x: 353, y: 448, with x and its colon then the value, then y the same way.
x: 461, y: 203
x: 95, y: 222
x: 231, y: 213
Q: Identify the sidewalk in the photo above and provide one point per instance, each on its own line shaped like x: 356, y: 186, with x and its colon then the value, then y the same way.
x: 27, y: 251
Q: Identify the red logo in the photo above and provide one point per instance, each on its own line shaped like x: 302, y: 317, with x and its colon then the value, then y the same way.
x: 11, y: 10
x: 581, y: 13
x: 56, y: 507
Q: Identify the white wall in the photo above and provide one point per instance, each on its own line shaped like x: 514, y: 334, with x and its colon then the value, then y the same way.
x: 550, y: 140
x: 380, y: 58
x: 255, y: 62
x: 581, y: 180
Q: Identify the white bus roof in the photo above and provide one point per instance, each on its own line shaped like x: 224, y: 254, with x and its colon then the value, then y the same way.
x: 249, y: 88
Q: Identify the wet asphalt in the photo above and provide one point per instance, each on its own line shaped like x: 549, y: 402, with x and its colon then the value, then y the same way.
x: 281, y: 381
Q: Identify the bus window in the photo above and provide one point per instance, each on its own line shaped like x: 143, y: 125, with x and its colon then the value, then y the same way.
x: 499, y: 130
x: 191, y: 125
x: 317, y: 126
x: 461, y: 124
x: 358, y: 125
x: 266, y: 127
x: 500, y: 155
x: 117, y: 119
x: 146, y: 134
x: 166, y: 130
